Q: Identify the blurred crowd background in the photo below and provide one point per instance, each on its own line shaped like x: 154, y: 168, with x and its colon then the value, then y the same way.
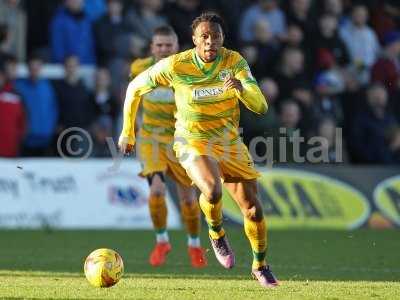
x: 323, y: 65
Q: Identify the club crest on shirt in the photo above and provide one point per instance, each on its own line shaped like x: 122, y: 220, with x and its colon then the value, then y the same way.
x: 224, y: 74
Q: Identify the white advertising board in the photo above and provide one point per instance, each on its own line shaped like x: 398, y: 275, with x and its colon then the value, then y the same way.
x: 86, y: 194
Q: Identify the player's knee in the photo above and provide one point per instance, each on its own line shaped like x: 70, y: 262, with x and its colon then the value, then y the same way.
x: 213, y: 192
x: 216, y: 194
x: 186, y: 202
x: 157, y: 190
x: 252, y: 212
x: 157, y: 193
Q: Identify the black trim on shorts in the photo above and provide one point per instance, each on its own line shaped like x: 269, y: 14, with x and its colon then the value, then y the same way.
x: 151, y: 176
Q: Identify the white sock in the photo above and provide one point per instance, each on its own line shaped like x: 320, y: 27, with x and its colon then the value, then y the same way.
x: 193, y: 241
x: 162, y: 237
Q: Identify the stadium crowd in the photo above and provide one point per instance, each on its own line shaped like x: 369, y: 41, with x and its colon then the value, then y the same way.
x: 322, y: 65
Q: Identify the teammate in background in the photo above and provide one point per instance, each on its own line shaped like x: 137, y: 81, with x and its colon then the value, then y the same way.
x: 157, y: 157
x: 209, y: 81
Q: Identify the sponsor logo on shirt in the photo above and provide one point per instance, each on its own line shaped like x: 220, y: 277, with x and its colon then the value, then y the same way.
x: 206, y: 92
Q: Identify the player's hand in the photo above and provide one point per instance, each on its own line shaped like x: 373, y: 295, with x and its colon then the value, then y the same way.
x: 233, y: 83
x: 124, y: 147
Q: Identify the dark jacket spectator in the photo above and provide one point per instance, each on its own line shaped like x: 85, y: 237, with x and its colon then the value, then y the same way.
x: 12, y: 118
x: 39, y: 15
x: 292, y: 79
x: 41, y: 108
x: 76, y: 109
x: 110, y: 33
x: 327, y: 42
x: 261, y: 125
x: 71, y: 34
x: 299, y: 14
x: 104, y: 102
x: 292, y: 132
x: 369, y: 128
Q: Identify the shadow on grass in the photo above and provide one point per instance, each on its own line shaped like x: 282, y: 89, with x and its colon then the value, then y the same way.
x: 295, y: 255
x: 174, y: 276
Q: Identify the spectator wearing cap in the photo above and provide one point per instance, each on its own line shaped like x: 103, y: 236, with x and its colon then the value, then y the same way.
x: 369, y: 128
x: 361, y: 42
x: 386, y: 69
x: 71, y: 34
x: 12, y: 118
x: 41, y: 108
x: 265, y: 10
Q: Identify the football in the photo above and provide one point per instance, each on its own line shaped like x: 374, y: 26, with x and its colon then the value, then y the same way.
x: 103, y: 267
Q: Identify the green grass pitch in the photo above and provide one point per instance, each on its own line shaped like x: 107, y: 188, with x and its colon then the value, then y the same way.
x: 310, y: 264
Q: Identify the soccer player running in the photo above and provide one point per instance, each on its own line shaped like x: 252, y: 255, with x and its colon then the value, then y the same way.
x: 157, y: 157
x: 209, y: 81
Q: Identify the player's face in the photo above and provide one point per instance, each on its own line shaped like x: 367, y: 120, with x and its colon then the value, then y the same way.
x: 163, y: 46
x: 208, y: 39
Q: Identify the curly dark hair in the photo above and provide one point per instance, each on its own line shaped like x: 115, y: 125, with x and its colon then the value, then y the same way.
x: 208, y: 16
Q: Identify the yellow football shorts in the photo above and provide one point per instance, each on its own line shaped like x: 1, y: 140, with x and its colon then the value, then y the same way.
x: 157, y: 157
x: 234, y: 161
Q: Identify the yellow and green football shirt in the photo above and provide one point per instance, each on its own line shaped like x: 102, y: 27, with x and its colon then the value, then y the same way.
x: 205, y: 112
x: 158, y: 108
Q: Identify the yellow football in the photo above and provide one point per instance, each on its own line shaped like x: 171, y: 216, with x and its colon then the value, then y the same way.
x: 103, y: 267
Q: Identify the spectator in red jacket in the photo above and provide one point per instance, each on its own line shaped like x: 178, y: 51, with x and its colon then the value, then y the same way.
x: 12, y: 118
